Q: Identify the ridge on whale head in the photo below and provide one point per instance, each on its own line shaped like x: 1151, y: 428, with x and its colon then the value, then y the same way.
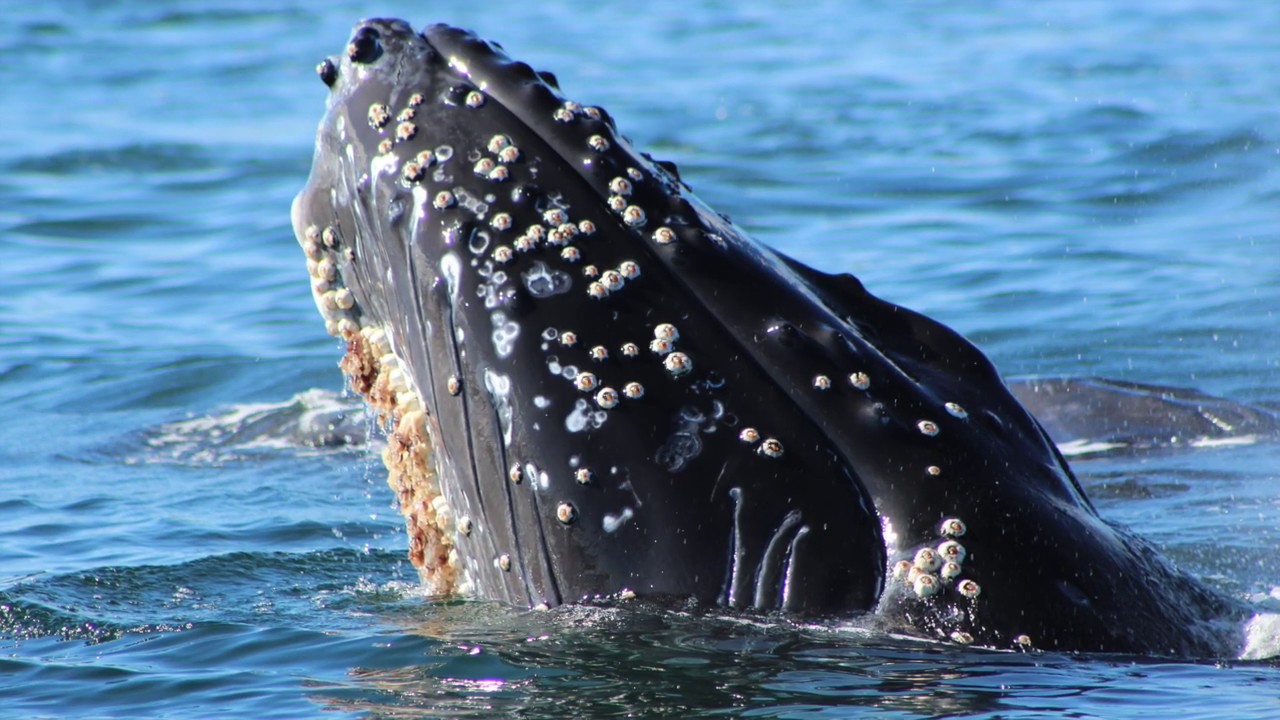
x: 599, y: 386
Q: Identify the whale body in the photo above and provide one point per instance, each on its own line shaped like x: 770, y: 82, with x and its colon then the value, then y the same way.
x: 596, y: 386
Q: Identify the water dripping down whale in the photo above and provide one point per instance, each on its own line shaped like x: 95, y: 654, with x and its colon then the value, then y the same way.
x: 597, y: 386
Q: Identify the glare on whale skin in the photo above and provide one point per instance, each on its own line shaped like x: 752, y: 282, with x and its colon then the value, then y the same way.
x: 597, y: 385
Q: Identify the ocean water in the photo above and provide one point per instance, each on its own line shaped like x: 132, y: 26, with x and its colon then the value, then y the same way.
x: 1083, y: 188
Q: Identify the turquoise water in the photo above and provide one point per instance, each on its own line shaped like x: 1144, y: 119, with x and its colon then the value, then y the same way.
x: 1082, y: 188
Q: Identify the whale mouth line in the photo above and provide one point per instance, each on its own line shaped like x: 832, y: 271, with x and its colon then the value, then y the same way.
x: 596, y: 386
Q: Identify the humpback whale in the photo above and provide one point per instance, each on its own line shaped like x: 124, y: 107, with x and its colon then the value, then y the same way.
x: 596, y: 386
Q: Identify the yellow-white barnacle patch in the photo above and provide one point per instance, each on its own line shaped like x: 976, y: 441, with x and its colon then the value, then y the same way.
x: 501, y: 221
x: 629, y: 269
x: 926, y: 585
x: 634, y: 216
x: 405, y: 131
x: 465, y: 525
x: 598, y: 143
x: 583, y: 476
x: 620, y: 186
x: 633, y: 390
x: 585, y: 381
x: 443, y: 199
x: 503, y: 562
x: 483, y: 166
x: 956, y: 410
x: 749, y: 435
x: 677, y: 363
x: 666, y: 331
x: 660, y: 346
x: 927, y: 559
x: 607, y: 398
x: 379, y: 114
x: 586, y: 227
x: 630, y: 350
x: 475, y: 99
x: 516, y: 474
x: 952, y: 550
x: 385, y: 146
x: 770, y: 447
x: 571, y: 254
x: 599, y: 352
x: 453, y: 385
x: 498, y: 142
x: 329, y: 237
x: 860, y: 380
x: 821, y: 382
x: 612, y: 280
x: 950, y: 570
x: 968, y: 588
x: 664, y: 235
x: 566, y: 513
x: 326, y: 270
x: 343, y: 298
x: 928, y: 427
x: 952, y: 527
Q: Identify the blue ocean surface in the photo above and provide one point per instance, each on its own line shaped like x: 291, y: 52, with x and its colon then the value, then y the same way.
x: 1082, y: 188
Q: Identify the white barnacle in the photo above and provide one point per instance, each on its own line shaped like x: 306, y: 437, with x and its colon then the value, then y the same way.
x: 503, y: 562
x: 901, y: 570
x: 968, y: 588
x: 633, y: 390
x: 634, y: 216
x: 599, y: 352
x: 598, y: 143
x: 566, y: 513
x: 443, y: 199
x: 474, y: 99
x: 498, y: 142
x: 591, y: 271
x: 343, y: 298
x: 961, y: 637
x: 406, y: 115
x: 416, y: 99
x: 860, y: 380
x: 952, y: 527
x: 509, y: 154
x: 555, y: 217
x: 933, y: 470
x: 630, y: 349
x: 568, y: 338
x: 562, y: 115
x: 607, y: 398
x: 950, y: 570
x: 501, y: 221
x: 629, y: 269
x: 927, y: 559
x: 664, y: 235
x: 405, y: 131
x: 926, y: 585
x: 465, y: 525
x: 597, y: 290
x: 586, y: 227
x: 503, y: 254
x: 749, y: 435
x: 952, y: 550
x: 585, y: 381
x: 595, y: 114
x: 620, y: 186
x: 571, y: 254
x: 677, y: 363
x: 821, y: 382
x: 666, y: 331
x: 453, y: 385
x: 329, y: 236
x: 956, y: 410
x: 516, y: 474
x: 524, y: 243
x: 660, y: 347
x: 635, y: 174
x: 928, y: 427
x: 499, y: 174
x: 612, y: 280
x: 412, y: 172
x: 483, y: 166
x: 426, y: 158
x: 770, y: 447
x: 583, y: 476
x: 617, y: 203
x: 379, y: 114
